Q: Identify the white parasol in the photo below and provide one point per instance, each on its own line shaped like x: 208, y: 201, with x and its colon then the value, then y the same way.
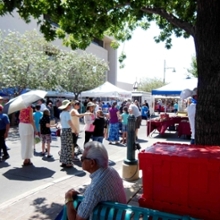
x: 23, y: 101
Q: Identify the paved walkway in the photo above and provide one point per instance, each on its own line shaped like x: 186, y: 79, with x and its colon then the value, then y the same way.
x: 46, y: 201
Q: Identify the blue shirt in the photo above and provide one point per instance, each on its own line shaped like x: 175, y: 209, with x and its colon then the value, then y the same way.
x: 4, y: 120
x: 144, y: 110
x: 64, y: 119
x: 37, y: 116
x: 175, y: 106
x: 106, y: 185
x: 125, y: 118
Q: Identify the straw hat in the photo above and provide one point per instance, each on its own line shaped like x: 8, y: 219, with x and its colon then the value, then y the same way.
x: 90, y: 104
x: 64, y: 105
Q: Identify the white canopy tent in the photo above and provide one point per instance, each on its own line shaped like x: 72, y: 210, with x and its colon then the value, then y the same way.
x: 175, y: 88
x: 107, y: 90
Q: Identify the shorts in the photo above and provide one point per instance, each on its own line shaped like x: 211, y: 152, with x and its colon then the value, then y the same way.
x: 46, y: 138
x: 138, y: 122
x: 124, y: 128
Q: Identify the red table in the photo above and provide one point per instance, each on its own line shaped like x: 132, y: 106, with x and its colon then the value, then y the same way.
x: 162, y: 126
x: 181, y: 179
x: 184, y: 128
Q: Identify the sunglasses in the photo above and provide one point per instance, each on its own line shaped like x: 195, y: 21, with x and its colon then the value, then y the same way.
x: 85, y: 158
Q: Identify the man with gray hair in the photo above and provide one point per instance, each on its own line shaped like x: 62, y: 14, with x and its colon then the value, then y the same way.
x: 106, y: 184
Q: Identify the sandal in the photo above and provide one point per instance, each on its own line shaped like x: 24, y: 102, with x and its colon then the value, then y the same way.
x: 69, y: 166
x: 27, y: 164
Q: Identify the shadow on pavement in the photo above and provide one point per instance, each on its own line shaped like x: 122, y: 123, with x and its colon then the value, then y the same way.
x: 4, y: 164
x: 51, y: 159
x: 142, y: 140
x: 131, y: 190
x: 28, y: 173
x: 37, y: 154
x: 48, y: 211
x: 73, y: 171
x: 171, y: 137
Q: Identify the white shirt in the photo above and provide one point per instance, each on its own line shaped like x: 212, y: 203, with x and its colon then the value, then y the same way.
x: 191, y: 110
x: 135, y: 110
x: 42, y: 107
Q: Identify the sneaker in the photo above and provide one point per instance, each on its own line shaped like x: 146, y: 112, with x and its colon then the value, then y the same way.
x: 42, y: 153
x: 75, y: 158
x: 49, y: 156
x: 5, y: 157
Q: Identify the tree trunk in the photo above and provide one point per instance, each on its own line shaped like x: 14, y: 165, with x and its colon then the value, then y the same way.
x: 207, y: 43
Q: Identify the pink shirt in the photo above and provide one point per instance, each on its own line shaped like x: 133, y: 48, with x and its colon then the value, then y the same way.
x: 24, y: 115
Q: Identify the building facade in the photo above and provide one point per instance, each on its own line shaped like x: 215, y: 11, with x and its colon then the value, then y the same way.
x: 101, y: 49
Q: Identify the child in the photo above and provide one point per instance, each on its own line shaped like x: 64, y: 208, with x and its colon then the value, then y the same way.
x: 100, y: 123
x: 45, y: 132
x: 37, y: 115
x: 124, y: 117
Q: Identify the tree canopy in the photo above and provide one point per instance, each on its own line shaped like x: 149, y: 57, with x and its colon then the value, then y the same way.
x: 79, y: 22
x: 148, y: 85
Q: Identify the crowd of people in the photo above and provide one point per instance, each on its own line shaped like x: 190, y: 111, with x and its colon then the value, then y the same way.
x: 101, y: 121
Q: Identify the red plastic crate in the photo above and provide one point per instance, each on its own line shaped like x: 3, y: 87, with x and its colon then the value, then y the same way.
x: 181, y: 178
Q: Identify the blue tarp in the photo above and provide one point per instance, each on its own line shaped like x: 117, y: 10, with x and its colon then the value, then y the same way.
x: 175, y: 88
x: 11, y: 91
x: 2, y: 94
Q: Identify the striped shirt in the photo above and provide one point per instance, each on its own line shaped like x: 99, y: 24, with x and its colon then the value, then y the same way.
x: 106, y: 185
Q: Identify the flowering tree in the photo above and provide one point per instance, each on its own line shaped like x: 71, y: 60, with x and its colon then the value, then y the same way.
x: 25, y: 61
x: 80, y: 71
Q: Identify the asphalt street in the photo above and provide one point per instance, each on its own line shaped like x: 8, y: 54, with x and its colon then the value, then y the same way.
x: 17, y: 180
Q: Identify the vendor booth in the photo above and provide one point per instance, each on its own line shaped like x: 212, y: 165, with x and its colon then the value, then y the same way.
x: 107, y: 90
x: 175, y: 88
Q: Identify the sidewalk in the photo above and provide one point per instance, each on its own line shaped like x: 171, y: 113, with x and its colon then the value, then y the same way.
x: 45, y: 198
x: 46, y: 201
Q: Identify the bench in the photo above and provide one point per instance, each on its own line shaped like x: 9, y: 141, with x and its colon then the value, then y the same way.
x: 118, y: 211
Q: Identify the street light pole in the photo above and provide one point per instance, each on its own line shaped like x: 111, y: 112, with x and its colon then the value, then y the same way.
x: 164, y: 71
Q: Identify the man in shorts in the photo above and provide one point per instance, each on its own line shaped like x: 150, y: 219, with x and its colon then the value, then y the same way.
x: 133, y: 109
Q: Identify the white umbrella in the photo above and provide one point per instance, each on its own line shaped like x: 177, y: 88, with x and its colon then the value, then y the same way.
x: 23, y: 101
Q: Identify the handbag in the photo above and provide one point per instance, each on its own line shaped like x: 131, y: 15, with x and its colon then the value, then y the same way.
x: 58, y: 132
x: 89, y: 128
x: 37, y: 139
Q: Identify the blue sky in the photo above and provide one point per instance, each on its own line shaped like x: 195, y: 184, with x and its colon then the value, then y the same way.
x: 145, y: 58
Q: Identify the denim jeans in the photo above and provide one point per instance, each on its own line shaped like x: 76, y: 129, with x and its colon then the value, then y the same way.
x: 98, y: 138
x: 2, y: 143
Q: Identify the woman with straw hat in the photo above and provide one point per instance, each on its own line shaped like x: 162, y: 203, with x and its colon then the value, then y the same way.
x: 66, y: 135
